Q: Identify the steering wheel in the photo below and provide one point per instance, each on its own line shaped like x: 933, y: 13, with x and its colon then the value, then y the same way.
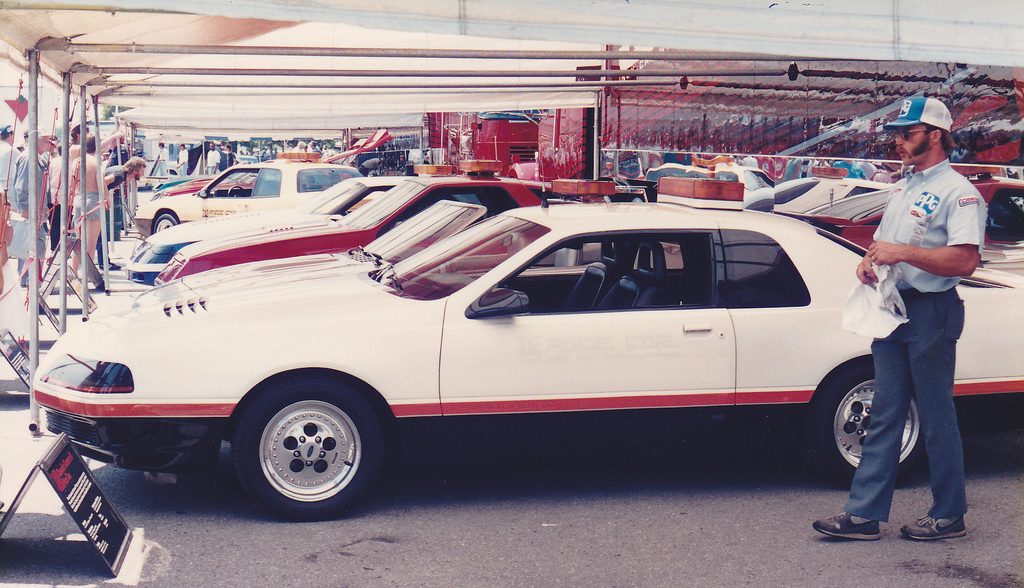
x: 231, y: 192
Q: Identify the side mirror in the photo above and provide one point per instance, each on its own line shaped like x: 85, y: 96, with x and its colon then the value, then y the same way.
x: 202, y: 193
x: 499, y: 302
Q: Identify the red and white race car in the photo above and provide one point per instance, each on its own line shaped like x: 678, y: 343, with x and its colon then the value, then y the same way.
x: 384, y: 213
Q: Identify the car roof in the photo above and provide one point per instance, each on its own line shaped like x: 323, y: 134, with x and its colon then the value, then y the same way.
x: 583, y: 218
x: 286, y: 163
x: 463, y: 179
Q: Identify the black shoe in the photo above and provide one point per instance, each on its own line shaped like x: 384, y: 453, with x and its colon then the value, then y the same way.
x: 114, y: 267
x: 843, y: 527
x: 930, y: 529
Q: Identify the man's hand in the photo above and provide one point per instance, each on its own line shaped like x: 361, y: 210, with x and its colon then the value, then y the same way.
x: 865, y: 273
x: 885, y: 253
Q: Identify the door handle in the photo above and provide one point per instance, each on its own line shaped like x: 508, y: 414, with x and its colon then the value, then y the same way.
x: 697, y: 328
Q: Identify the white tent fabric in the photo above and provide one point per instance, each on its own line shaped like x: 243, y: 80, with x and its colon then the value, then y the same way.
x: 920, y: 30
x: 986, y: 32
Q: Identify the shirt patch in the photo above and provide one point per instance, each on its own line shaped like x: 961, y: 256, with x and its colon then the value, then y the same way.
x: 927, y: 203
x: 968, y: 201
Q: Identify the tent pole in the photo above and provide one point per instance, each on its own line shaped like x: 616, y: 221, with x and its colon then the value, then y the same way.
x: 417, y: 73
x: 65, y: 46
x: 32, y: 263
x: 83, y: 230
x: 65, y: 179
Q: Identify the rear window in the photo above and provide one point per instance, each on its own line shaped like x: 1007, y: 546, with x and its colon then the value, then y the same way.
x: 319, y: 179
x: 784, y: 195
x: 758, y: 273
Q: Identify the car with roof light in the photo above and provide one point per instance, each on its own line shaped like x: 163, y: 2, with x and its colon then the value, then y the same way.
x: 281, y: 183
x: 856, y: 218
x: 688, y: 302
x: 759, y: 189
x: 479, y: 185
x: 825, y: 185
x: 152, y: 254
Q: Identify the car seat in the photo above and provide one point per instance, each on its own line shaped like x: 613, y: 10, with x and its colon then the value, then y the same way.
x: 641, y: 287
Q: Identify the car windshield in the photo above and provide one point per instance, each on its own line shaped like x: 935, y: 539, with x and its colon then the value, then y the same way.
x: 855, y: 208
x: 382, y: 207
x: 441, y: 220
x: 449, y: 265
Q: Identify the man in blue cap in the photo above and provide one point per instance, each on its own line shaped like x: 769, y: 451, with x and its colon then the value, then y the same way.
x: 932, y: 232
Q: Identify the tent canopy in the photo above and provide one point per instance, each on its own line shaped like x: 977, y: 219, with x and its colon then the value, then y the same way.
x: 332, y: 64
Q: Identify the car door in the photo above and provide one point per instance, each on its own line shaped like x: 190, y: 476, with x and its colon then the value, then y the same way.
x: 778, y: 334
x: 231, y: 193
x: 609, y: 352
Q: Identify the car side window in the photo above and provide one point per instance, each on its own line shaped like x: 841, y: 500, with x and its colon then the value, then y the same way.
x: 237, y: 184
x: 494, y: 199
x: 319, y: 179
x: 755, y: 272
x: 268, y: 185
x: 1005, y: 221
x: 620, y: 272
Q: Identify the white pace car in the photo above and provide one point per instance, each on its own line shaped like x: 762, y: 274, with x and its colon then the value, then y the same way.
x: 566, y: 308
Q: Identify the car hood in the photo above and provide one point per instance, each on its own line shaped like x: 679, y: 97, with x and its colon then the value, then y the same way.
x: 293, y: 282
x: 320, y: 226
x: 222, y: 226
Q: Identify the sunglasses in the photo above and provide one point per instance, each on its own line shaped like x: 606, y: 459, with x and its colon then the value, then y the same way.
x: 905, y: 132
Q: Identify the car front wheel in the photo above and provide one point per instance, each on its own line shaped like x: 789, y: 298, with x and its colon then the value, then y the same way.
x: 164, y: 221
x: 307, y: 448
x: 840, y: 417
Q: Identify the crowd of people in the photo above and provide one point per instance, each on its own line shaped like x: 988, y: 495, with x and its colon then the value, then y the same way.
x: 89, y: 198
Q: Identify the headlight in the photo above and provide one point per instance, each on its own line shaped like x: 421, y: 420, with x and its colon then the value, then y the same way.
x: 141, y: 248
x: 90, y: 375
x: 158, y: 253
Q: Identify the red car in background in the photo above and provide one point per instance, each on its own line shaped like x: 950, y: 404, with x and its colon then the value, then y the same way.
x: 478, y: 186
x: 856, y: 218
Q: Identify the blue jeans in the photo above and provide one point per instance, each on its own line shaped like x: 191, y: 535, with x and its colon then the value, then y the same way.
x: 916, y: 361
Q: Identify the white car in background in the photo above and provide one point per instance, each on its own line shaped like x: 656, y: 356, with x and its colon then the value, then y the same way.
x: 282, y: 183
x: 152, y: 254
x: 758, y: 188
x: 804, y: 194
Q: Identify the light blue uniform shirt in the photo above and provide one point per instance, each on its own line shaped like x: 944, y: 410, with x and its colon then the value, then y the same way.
x: 933, y: 208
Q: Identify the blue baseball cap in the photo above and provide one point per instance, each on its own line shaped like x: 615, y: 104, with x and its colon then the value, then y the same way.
x: 6, y: 131
x: 922, y: 111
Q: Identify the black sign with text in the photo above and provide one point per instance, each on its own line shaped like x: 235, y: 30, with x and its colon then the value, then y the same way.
x: 94, y: 514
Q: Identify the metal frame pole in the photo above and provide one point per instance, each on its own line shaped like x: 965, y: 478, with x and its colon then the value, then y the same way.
x: 32, y: 264
x: 103, y: 198
x: 83, y: 231
x: 65, y: 179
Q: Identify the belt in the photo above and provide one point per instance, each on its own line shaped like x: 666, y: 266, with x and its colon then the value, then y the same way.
x: 914, y: 294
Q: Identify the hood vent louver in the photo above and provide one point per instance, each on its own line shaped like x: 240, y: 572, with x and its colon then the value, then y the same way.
x: 192, y: 304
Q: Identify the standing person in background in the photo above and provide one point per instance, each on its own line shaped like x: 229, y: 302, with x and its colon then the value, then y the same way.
x: 20, y: 199
x: 96, y: 201
x: 160, y: 165
x: 7, y: 157
x: 182, y: 160
x: 228, y: 158
x: 932, y: 231
x: 212, y: 160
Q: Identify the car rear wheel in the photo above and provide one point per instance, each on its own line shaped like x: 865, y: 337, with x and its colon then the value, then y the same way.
x: 840, y: 416
x: 307, y: 448
x: 165, y: 220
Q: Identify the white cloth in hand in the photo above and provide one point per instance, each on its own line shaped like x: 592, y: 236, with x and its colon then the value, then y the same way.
x: 875, y: 310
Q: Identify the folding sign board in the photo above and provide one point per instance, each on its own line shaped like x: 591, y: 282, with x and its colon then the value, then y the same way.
x: 83, y: 499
